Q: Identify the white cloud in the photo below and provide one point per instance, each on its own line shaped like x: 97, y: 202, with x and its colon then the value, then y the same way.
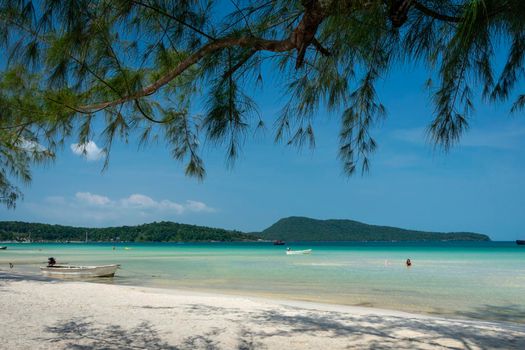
x: 198, y: 206
x: 31, y: 146
x: 92, y: 199
x: 139, y: 200
x: 145, y: 202
x: 169, y: 205
x: 86, y: 208
x: 89, y: 150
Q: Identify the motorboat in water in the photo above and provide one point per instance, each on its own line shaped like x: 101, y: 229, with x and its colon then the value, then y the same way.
x: 520, y: 242
x: 79, y: 271
x: 55, y: 270
x: 3, y: 247
x: 298, y: 252
x: 278, y: 242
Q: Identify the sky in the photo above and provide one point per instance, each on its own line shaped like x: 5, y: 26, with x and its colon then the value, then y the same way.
x: 478, y: 186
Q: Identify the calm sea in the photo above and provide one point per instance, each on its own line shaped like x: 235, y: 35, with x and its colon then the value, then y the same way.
x: 483, y: 280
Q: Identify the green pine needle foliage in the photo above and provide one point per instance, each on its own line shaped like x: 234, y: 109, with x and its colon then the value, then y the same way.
x: 187, y: 72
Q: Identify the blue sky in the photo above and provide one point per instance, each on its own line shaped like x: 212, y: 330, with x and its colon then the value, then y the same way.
x: 478, y: 186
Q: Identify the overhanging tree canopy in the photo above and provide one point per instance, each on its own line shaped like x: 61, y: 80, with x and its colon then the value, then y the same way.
x: 144, y: 65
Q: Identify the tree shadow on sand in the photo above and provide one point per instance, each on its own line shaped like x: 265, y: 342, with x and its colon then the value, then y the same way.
x: 386, y: 332
x: 257, y: 328
x: 81, y: 335
x: 78, y: 334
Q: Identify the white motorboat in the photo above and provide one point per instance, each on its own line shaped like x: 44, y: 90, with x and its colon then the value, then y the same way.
x: 298, y: 252
x: 79, y: 271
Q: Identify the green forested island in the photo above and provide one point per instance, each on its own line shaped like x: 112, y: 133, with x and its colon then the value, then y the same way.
x: 154, y: 232
x: 287, y: 229
x: 306, y: 229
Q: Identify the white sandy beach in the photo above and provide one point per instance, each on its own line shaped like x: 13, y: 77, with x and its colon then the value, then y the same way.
x: 40, y: 313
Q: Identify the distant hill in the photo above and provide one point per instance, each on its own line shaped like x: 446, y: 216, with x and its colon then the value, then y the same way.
x: 288, y: 229
x: 154, y: 232
x: 306, y: 229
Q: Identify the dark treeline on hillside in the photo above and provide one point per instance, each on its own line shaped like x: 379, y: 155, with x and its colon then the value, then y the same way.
x: 288, y: 229
x: 306, y: 229
x: 154, y: 232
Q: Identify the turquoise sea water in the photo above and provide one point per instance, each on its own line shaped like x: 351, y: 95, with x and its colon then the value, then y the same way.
x: 483, y: 280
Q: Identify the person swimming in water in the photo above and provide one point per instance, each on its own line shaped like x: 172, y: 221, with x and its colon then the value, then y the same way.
x: 409, y: 263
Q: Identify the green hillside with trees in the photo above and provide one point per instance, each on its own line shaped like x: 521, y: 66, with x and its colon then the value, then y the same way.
x: 155, y: 232
x: 307, y: 229
x: 288, y: 229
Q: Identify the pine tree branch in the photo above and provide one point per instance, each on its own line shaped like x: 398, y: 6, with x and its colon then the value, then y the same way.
x: 176, y: 19
x: 429, y: 12
x: 257, y: 44
x: 301, y: 37
x: 320, y: 48
x: 239, y: 64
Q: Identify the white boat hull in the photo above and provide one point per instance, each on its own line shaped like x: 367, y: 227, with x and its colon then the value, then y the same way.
x: 80, y: 271
x: 298, y: 252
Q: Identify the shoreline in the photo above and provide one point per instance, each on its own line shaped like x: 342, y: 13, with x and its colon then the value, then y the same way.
x: 58, y: 314
x: 494, y: 314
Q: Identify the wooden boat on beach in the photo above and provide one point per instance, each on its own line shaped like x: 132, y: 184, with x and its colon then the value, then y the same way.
x: 298, y: 252
x: 520, y: 242
x: 79, y: 271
